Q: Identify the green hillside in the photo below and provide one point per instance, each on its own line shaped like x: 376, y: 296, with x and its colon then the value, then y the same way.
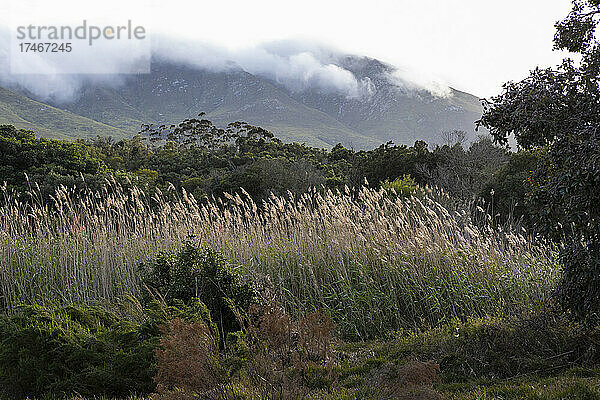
x: 48, y: 121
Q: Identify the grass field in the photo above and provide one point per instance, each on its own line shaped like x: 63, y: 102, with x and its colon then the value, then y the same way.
x: 412, y: 284
x: 375, y: 263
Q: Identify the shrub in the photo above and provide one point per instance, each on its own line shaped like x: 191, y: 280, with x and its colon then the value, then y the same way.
x: 83, y: 350
x: 272, y: 357
x: 201, y: 273
x: 494, y: 348
x: 289, y: 358
x: 188, y: 358
x: 404, y: 186
x: 580, y: 286
x: 506, y: 192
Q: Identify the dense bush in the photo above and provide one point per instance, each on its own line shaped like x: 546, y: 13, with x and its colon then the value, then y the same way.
x: 202, y: 273
x: 506, y: 193
x: 48, y: 163
x: 404, y: 186
x: 66, y: 350
x: 496, y: 348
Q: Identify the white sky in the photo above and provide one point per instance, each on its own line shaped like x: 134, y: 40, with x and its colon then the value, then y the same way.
x: 471, y: 45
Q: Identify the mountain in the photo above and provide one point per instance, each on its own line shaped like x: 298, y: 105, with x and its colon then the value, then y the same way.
x: 48, y: 121
x: 391, y: 111
x: 174, y: 91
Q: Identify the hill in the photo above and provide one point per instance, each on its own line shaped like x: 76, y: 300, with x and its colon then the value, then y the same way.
x: 49, y: 121
x: 393, y: 111
x: 174, y: 92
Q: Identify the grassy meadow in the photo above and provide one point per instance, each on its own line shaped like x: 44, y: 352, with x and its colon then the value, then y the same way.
x: 416, y: 297
x: 374, y: 261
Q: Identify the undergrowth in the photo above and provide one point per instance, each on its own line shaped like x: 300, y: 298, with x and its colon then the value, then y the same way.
x: 174, y: 352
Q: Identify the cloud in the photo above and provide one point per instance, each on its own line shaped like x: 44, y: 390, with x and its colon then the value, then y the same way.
x: 297, y: 65
x: 290, y: 64
x: 57, y: 77
x: 411, y: 80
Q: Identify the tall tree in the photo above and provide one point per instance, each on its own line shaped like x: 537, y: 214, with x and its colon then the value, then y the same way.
x: 556, y: 111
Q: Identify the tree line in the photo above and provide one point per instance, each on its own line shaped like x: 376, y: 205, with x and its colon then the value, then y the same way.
x: 208, y: 161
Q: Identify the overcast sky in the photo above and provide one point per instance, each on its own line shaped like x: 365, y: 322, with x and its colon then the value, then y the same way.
x: 471, y: 45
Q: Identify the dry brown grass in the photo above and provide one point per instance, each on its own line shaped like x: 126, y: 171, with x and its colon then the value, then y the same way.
x: 282, y: 358
x: 187, y: 358
x: 410, y: 381
x: 289, y: 357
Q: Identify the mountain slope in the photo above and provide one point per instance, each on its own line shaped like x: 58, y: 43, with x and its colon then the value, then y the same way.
x: 174, y: 92
x: 48, y: 121
x: 389, y: 110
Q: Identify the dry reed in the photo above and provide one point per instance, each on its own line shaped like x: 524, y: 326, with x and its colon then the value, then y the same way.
x: 374, y: 262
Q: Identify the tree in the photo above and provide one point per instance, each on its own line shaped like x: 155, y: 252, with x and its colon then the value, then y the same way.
x: 203, y: 133
x: 27, y: 160
x: 505, y: 193
x: 556, y: 112
x: 450, y: 138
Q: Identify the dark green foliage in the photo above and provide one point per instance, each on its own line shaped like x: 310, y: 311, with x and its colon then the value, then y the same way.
x: 535, y: 356
x: 463, y: 172
x: 69, y: 350
x: 389, y: 161
x: 580, y: 289
x: 557, y: 112
x: 199, y: 273
x: 278, y: 175
x: 208, y: 161
x: 47, y: 162
x: 503, y: 348
x: 566, y: 193
x: 506, y: 193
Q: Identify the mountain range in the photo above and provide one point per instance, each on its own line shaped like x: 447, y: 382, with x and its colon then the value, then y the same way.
x: 387, y: 111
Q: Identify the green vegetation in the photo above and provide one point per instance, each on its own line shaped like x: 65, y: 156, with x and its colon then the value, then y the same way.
x: 66, y: 350
x: 404, y: 186
x: 556, y: 112
x: 232, y: 240
x: 26, y: 160
x: 174, y: 353
x: 50, y: 122
x: 207, y: 162
x: 374, y: 263
x: 199, y: 273
x: 221, y: 263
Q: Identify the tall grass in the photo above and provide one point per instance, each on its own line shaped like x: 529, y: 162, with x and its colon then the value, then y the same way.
x: 373, y: 261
